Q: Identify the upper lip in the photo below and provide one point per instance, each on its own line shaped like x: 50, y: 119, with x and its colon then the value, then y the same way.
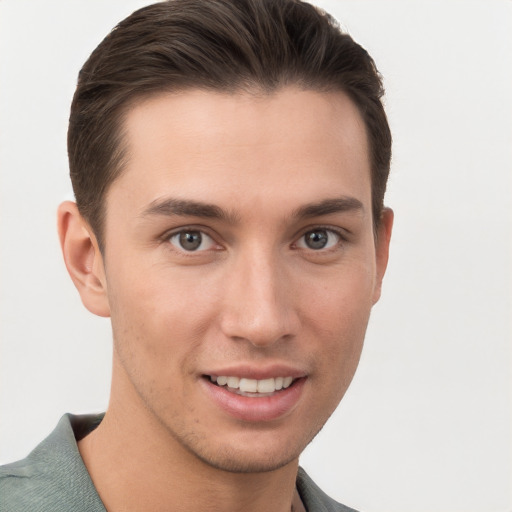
x: 250, y: 371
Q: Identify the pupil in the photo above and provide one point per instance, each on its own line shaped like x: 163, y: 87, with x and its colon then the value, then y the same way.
x: 190, y: 240
x: 316, y: 239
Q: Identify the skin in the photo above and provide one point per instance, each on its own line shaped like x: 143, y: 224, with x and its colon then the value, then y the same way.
x: 254, y: 294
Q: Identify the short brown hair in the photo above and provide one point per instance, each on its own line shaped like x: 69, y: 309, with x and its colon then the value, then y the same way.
x: 222, y: 45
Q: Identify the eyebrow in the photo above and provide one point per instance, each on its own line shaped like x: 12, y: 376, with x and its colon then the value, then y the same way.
x: 329, y: 206
x: 186, y: 208
x: 170, y: 207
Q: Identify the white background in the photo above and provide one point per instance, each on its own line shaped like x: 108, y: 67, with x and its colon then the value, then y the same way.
x: 426, y: 425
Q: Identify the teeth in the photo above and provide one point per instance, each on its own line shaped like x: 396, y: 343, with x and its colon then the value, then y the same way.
x: 248, y: 385
x: 233, y: 382
x: 252, y: 385
x: 266, y: 385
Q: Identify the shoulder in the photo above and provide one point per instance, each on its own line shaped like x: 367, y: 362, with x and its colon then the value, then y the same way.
x: 314, y: 499
x: 51, y: 478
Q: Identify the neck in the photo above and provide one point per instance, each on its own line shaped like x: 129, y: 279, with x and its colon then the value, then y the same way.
x: 136, y: 464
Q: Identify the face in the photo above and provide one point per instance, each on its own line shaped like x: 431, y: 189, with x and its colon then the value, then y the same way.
x: 240, y: 268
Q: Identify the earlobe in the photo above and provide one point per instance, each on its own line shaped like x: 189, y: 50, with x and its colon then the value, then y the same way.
x: 83, y: 258
x: 382, y: 240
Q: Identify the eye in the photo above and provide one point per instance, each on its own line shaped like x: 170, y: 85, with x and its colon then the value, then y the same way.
x: 318, y: 239
x: 191, y: 240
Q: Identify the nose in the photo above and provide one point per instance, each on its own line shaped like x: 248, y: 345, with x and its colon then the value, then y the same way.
x: 258, y: 301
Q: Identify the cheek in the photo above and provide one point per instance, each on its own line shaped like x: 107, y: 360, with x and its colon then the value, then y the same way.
x: 159, y: 313
x: 341, y: 301
x: 337, y: 314
x: 338, y: 353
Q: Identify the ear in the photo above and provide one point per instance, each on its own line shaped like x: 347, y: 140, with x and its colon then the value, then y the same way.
x: 83, y: 258
x: 382, y: 239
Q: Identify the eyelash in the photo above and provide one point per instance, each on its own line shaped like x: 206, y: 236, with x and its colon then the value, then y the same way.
x: 339, y: 234
x: 168, y: 236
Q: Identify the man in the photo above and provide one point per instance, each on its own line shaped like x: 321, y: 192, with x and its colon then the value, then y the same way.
x: 229, y: 161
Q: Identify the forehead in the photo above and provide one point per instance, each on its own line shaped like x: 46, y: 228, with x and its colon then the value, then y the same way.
x: 206, y: 145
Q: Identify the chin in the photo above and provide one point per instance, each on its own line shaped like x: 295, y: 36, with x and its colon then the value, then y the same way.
x: 250, y: 451
x: 235, y: 461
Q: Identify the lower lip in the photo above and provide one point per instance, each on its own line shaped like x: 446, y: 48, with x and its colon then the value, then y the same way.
x: 256, y: 409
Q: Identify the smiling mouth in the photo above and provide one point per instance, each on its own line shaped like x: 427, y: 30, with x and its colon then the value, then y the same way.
x: 252, y: 387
